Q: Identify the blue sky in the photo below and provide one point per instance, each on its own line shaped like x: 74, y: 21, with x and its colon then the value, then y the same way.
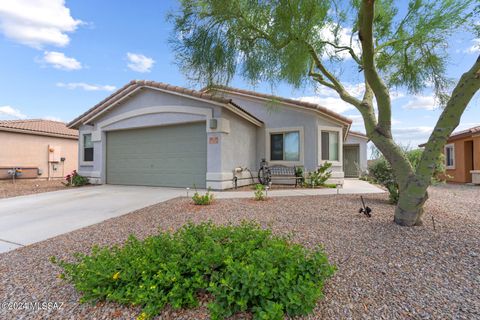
x: 58, y: 59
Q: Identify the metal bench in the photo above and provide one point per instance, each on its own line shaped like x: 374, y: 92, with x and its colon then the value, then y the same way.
x: 284, y: 173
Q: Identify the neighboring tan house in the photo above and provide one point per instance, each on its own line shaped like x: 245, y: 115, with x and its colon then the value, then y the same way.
x: 462, y: 156
x: 41, y: 149
x: 150, y: 133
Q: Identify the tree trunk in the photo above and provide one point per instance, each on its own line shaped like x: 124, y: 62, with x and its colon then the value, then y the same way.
x: 409, y: 210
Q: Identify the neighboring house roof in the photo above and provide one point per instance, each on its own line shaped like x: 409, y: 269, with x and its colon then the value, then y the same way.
x: 308, y: 105
x: 39, y: 127
x: 460, y: 134
x: 358, y: 134
x: 134, y: 85
x: 464, y: 133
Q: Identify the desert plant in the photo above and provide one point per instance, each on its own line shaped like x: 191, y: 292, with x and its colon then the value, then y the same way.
x: 203, y: 200
x: 243, y: 268
x: 381, y: 172
x: 319, y: 176
x: 300, y: 175
x: 75, y: 180
x: 259, y: 193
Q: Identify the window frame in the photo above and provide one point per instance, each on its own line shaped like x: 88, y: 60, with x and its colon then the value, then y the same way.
x: 270, y: 131
x: 339, y: 130
x: 447, y: 146
x: 83, y: 162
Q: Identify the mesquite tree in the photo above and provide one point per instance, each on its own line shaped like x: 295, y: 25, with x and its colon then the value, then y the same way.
x: 312, y: 41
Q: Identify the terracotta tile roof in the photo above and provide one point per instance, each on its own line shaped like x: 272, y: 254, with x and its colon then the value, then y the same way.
x: 464, y: 133
x: 305, y: 104
x: 460, y: 134
x: 363, y: 135
x: 135, y: 84
x: 39, y: 127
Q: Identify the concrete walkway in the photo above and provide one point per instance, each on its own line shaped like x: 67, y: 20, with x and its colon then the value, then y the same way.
x: 28, y: 219
x: 350, y: 186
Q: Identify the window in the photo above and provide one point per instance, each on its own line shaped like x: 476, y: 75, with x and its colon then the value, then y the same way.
x: 330, y: 145
x: 87, y: 147
x: 285, y: 146
x: 450, y: 156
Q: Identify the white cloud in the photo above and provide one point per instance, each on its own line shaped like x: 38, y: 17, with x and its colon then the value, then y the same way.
x: 59, y: 61
x: 37, y: 23
x: 86, y: 86
x: 327, y: 33
x: 139, y: 62
x: 475, y: 48
x: 52, y: 118
x: 421, y: 103
x: 411, y: 136
x: 329, y: 98
x: 9, y: 112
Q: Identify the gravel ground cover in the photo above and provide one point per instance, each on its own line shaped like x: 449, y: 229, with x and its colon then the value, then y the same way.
x: 23, y: 187
x: 384, y: 271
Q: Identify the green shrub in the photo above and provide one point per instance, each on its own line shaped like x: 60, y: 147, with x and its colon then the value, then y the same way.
x: 242, y: 268
x: 203, y: 200
x: 75, y: 180
x: 300, y: 174
x: 259, y: 192
x: 381, y: 172
x: 320, y: 176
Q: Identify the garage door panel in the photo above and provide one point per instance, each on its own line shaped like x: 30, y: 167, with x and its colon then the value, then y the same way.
x: 162, y: 156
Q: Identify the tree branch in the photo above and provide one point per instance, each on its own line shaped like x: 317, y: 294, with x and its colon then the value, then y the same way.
x: 343, y: 48
x: 337, y: 86
x: 462, y: 94
x: 373, y: 78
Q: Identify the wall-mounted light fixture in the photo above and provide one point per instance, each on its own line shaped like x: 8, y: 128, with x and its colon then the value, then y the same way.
x: 213, y: 124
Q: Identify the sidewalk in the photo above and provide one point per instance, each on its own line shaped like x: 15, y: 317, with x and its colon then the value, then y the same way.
x: 350, y: 186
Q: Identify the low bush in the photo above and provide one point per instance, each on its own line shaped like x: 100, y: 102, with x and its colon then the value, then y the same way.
x: 203, y: 200
x: 241, y: 269
x: 381, y: 172
x: 75, y: 180
x: 259, y: 193
x: 300, y: 174
x: 320, y: 176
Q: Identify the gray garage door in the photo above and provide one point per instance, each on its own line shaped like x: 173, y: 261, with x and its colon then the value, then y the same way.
x: 170, y: 156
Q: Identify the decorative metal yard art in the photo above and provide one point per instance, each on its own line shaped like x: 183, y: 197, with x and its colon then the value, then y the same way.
x: 14, y: 173
x: 365, y: 209
x: 264, y: 174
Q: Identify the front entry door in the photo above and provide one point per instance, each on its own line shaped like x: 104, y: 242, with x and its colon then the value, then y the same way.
x: 351, y: 161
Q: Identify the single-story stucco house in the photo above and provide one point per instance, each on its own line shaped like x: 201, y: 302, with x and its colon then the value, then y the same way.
x: 155, y: 134
x: 40, y: 149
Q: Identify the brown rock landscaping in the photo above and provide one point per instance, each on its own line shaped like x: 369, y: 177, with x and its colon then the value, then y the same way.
x: 384, y: 271
x: 23, y: 187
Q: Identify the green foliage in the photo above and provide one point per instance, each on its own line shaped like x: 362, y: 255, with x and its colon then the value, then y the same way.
x: 203, y: 200
x: 75, y: 180
x: 242, y: 268
x: 381, y: 172
x: 300, y: 174
x: 259, y: 192
x: 273, y: 40
x: 320, y: 176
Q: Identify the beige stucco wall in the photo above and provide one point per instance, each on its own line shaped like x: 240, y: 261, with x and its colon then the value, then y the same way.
x: 463, y: 160
x: 26, y: 150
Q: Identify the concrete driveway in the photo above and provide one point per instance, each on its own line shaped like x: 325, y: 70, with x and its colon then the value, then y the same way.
x: 28, y: 219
